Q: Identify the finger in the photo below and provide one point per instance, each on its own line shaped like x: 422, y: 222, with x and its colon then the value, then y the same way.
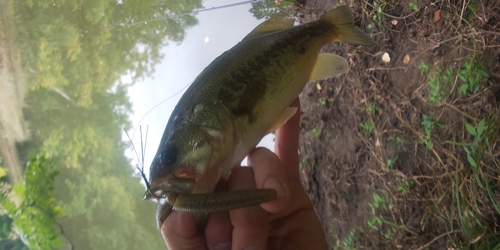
x: 250, y: 225
x: 270, y: 173
x: 286, y: 148
x: 218, y: 232
x: 287, y: 143
x: 179, y: 232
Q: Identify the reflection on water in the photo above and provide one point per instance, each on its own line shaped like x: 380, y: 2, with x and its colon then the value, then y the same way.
x: 69, y: 56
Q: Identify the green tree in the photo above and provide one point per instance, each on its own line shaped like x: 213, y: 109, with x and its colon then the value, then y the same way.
x: 76, y: 52
x: 31, y: 207
x: 268, y: 8
x: 96, y: 186
x: 81, y: 48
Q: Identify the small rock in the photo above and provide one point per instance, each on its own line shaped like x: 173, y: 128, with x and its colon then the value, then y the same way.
x: 437, y: 16
x: 406, y: 59
x: 386, y: 58
x: 318, y: 86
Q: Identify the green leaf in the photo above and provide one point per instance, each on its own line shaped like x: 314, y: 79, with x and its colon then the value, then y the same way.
x: 3, y: 172
x: 462, y: 74
x: 430, y: 144
x: 463, y: 89
x: 470, y: 129
x: 471, y: 160
x: 482, y: 73
x: 480, y: 127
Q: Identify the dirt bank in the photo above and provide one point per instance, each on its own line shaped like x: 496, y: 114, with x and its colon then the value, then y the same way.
x: 381, y: 175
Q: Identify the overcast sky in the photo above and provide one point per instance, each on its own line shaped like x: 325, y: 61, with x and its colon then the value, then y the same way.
x: 182, y: 63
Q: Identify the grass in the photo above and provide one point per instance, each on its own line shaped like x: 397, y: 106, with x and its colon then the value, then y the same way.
x: 423, y: 67
x: 348, y: 242
x: 317, y: 133
x: 472, y: 189
x: 473, y: 149
x: 391, y: 162
x: 378, y: 9
x: 428, y: 124
x: 397, y: 139
x: 322, y: 101
x: 377, y: 222
x: 413, y: 5
x: 448, y: 191
x: 405, y: 186
x: 436, y: 92
x: 372, y: 109
x: 472, y: 7
x: 472, y: 75
x: 367, y: 126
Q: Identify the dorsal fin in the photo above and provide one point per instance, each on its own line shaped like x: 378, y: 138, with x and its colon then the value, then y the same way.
x: 273, y: 24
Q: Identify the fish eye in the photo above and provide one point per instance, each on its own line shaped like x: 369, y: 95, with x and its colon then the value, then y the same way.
x: 169, y: 155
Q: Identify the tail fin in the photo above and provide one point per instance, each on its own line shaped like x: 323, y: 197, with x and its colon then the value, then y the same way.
x: 345, y: 31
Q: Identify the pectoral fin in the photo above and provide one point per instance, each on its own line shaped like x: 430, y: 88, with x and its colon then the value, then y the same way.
x: 282, y: 119
x: 328, y: 66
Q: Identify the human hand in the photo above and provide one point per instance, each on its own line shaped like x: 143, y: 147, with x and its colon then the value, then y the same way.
x: 286, y: 223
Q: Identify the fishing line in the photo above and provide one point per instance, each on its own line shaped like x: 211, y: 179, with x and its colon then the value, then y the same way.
x: 144, y: 116
x: 178, y: 92
x: 187, y: 13
x: 141, y: 160
x: 198, y: 11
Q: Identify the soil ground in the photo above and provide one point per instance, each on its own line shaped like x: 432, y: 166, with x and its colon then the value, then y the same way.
x: 398, y: 186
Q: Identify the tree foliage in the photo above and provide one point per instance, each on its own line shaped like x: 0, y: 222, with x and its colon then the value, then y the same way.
x: 76, y: 52
x: 96, y: 186
x: 31, y: 206
x: 83, y: 47
x: 267, y: 9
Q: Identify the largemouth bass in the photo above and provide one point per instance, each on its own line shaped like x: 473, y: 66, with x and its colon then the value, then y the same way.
x: 240, y: 97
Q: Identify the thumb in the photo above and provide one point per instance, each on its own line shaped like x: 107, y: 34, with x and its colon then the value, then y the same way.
x: 179, y: 232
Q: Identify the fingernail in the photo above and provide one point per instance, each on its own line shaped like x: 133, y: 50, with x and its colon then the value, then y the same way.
x: 223, y: 246
x: 274, y: 183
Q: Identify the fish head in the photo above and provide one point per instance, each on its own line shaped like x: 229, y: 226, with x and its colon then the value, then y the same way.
x: 193, y: 155
x: 180, y: 162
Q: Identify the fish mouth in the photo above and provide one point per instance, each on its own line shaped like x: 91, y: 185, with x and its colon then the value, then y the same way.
x: 161, y: 188
x: 211, y: 202
x: 181, y: 190
x: 182, y: 180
